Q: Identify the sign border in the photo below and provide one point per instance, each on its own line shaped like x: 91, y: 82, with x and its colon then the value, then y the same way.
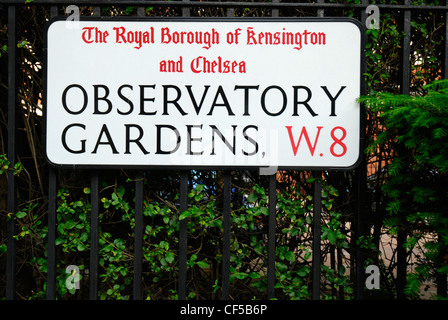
x: 362, y: 120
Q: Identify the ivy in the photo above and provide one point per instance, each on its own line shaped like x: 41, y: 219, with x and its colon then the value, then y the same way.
x: 248, y: 249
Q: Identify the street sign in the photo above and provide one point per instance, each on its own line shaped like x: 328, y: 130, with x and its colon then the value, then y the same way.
x: 227, y: 93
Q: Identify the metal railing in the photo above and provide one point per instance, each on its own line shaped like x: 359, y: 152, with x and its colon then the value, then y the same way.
x: 275, y: 6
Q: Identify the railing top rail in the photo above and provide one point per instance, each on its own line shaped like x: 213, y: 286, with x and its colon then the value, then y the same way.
x: 189, y: 3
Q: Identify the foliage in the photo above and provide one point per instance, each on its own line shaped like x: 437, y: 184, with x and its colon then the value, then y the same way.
x: 404, y: 193
x: 160, y: 250
x: 417, y: 126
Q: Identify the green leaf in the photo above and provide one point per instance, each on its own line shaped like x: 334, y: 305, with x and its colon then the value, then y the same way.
x: 70, y: 224
x: 254, y: 275
x: 290, y: 256
x: 120, y: 191
x: 84, y: 237
x: 239, y: 275
x: 303, y: 272
x: 21, y: 214
x: 203, y: 264
x: 61, y: 228
x: 169, y: 257
x: 331, y: 236
x: 252, y: 197
x: 184, y: 215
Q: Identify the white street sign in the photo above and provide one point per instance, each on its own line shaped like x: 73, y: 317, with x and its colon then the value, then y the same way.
x: 204, y: 93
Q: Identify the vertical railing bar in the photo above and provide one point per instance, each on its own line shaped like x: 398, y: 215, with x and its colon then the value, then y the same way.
x: 97, y: 11
x: 445, y: 48
x: 405, y: 63
x: 94, y: 230
x: 360, y: 180
x: 11, y: 201
x: 185, y: 11
x: 230, y: 12
x: 53, y: 11
x: 226, y: 235
x: 272, y: 189
x: 275, y: 11
x: 138, y: 237
x: 317, y: 220
x: 441, y: 278
x: 141, y: 11
x: 183, y: 237
x: 271, y: 234
x: 138, y: 222
x: 52, y: 193
x: 320, y: 12
x: 183, y: 223
x: 317, y: 237
x: 405, y: 89
x: 360, y: 175
x: 94, y: 226
x: 51, y: 253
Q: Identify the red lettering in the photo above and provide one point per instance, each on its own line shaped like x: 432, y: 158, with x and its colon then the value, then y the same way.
x: 202, y: 64
x: 295, y: 147
x: 87, y: 34
x: 338, y: 142
x: 93, y: 34
x: 120, y: 34
x: 165, y: 34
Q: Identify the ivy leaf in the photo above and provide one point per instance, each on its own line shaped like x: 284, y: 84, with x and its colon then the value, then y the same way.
x: 254, y: 275
x: 252, y: 197
x: 203, y: 264
x: 184, y: 215
x: 20, y: 214
x: 120, y: 191
x: 238, y: 275
x: 331, y: 236
x: 303, y: 272
x: 290, y: 256
x: 169, y: 257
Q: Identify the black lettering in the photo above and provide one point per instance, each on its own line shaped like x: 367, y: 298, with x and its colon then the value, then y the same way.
x: 246, y: 97
x: 304, y: 102
x: 104, y: 98
x: 159, y: 142
x: 131, y: 105
x: 190, y: 139
x: 136, y: 141
x: 215, y: 129
x: 193, y: 100
x: 333, y: 99
x: 64, y: 99
x: 220, y: 92
x: 64, y: 140
x: 143, y: 99
x: 109, y: 141
x: 166, y: 101
x: 263, y: 100
x: 255, y: 143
